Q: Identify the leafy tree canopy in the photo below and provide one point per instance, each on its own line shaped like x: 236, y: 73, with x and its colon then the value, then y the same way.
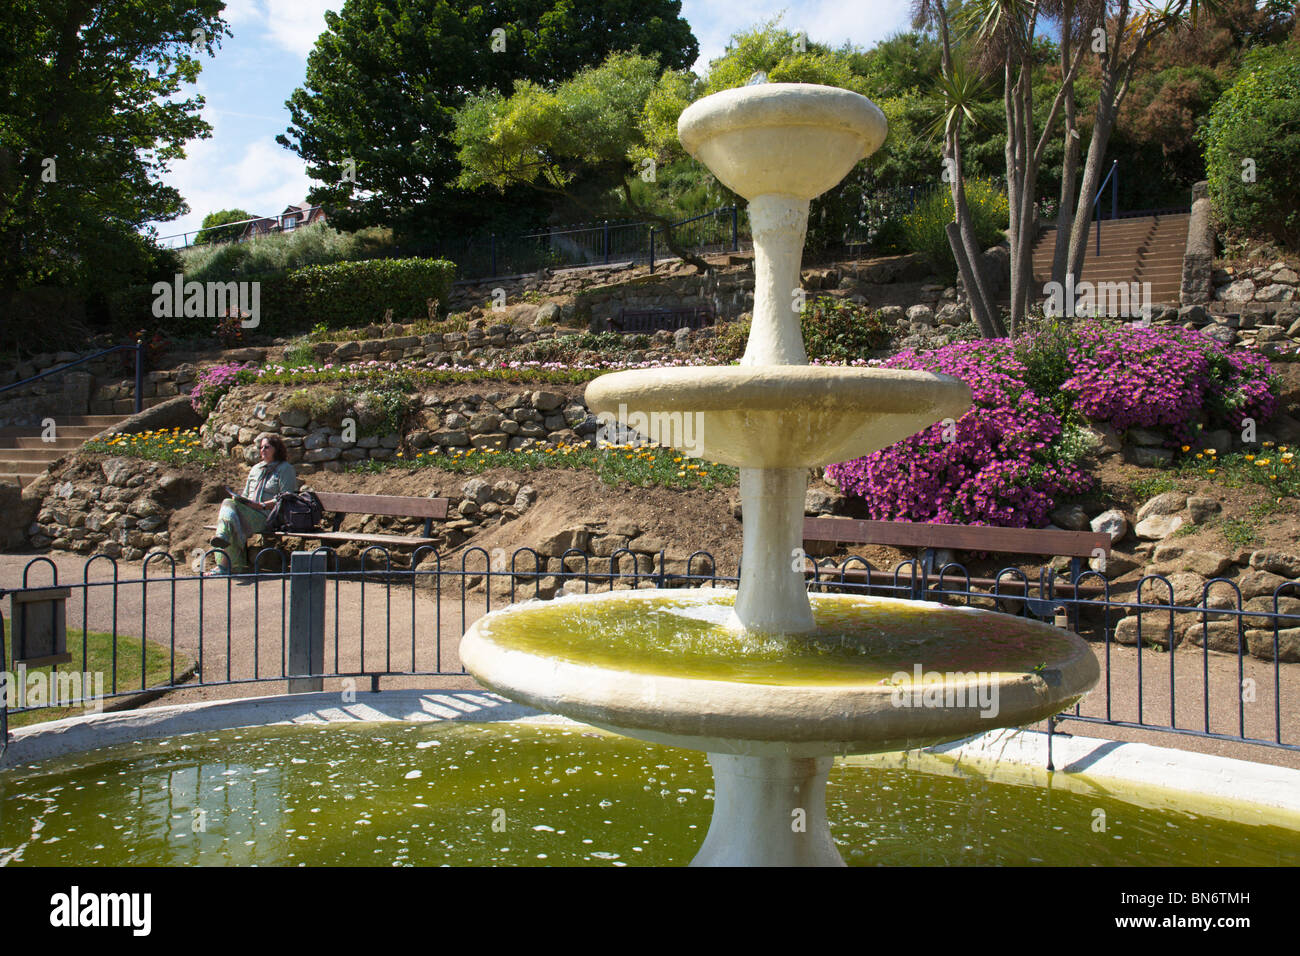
x: 386, y: 78
x: 208, y: 231
x: 89, y: 121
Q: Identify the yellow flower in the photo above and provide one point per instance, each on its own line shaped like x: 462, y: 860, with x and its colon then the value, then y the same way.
x: 1211, y: 451
x: 1210, y: 471
x: 1261, y: 463
x: 1199, y: 455
x: 1250, y: 457
x: 1189, y: 448
x: 1267, y: 444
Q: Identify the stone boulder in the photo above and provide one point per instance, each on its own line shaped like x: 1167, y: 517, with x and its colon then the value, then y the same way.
x: 1071, y: 517
x: 1221, y: 636
x: 1166, y: 503
x: 1158, y: 527
x: 1200, y: 508
x: 1276, y: 562
x: 1260, y: 644
x: 1111, y: 522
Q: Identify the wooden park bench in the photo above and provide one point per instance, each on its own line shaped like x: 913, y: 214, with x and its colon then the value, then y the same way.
x: 339, y: 505
x: 928, y: 538
x: 655, y: 320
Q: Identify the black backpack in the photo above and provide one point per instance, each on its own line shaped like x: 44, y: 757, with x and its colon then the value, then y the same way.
x: 295, y: 512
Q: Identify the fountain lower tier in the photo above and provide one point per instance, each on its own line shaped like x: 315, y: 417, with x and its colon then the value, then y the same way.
x: 874, y: 675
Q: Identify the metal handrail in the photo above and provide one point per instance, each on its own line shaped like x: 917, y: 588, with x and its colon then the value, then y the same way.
x: 1114, y: 199
x: 138, y: 348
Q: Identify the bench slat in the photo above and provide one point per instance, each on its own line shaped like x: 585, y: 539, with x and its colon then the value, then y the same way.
x: 390, y: 505
x: 413, y: 541
x: 908, y: 534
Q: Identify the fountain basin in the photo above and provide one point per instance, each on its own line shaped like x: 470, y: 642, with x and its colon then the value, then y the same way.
x: 668, y: 667
x: 793, y: 139
x: 783, y: 416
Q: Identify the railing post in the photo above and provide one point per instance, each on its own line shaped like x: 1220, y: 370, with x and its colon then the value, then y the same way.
x: 606, y: 241
x: 139, y: 376
x: 735, y: 235
x: 1096, y: 205
x: 652, y: 249
x: 306, y: 621
x: 1114, y: 191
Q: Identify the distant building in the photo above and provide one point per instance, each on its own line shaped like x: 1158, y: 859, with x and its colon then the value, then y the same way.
x: 294, y: 216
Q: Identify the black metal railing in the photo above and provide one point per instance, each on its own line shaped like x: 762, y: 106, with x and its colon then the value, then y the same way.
x: 394, y: 616
x: 138, y: 348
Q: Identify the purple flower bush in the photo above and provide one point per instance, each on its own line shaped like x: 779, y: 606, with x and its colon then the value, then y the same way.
x: 1013, y: 456
x: 1162, y: 376
x: 214, y: 382
x: 997, y: 470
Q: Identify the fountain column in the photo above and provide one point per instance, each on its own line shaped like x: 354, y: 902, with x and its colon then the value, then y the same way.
x: 769, y: 811
x: 779, y: 224
x: 772, y: 595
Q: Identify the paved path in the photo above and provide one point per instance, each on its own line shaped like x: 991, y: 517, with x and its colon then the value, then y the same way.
x: 372, y: 628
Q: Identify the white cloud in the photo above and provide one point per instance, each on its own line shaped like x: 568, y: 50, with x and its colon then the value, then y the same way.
x: 292, y: 25
x: 262, y: 178
x: 832, y: 22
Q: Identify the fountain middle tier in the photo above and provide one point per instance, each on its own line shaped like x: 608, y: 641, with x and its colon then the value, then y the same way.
x: 777, y: 416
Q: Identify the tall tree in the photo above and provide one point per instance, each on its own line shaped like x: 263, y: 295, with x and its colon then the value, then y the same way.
x: 89, y: 120
x: 210, y: 230
x: 1121, y: 43
x: 386, y: 78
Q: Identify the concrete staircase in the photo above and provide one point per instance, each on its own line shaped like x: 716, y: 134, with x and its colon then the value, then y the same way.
x: 24, y: 454
x: 1148, y: 249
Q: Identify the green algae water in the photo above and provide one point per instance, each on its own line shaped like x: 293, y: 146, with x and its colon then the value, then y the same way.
x: 538, y: 794
x: 858, y: 640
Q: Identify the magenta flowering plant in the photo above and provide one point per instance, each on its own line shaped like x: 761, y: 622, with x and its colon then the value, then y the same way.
x: 996, y: 465
x: 1013, y: 456
x: 213, y: 382
x: 1152, y: 377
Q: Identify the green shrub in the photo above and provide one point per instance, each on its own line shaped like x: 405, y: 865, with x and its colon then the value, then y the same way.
x: 731, y: 339
x: 1045, y: 352
x: 840, y: 330
x: 358, y: 293
x: 925, y: 228
x: 312, y: 245
x: 321, y: 403
x: 1251, y: 143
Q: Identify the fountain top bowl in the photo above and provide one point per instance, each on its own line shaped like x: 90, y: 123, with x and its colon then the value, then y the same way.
x: 797, y: 139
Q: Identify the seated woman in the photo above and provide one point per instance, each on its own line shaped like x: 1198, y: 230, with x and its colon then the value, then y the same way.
x: 245, y: 516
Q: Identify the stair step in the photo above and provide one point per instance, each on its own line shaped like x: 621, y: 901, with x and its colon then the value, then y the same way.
x: 59, y: 442
x: 22, y: 467
x: 29, y: 454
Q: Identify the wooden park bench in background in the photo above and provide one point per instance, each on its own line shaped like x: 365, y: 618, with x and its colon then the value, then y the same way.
x: 655, y: 320
x: 1078, y: 546
x: 339, y: 505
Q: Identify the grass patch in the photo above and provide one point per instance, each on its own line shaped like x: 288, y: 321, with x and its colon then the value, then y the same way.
x: 1237, y: 532
x: 1145, y: 488
x: 615, y: 465
x: 98, y: 650
x: 175, y: 446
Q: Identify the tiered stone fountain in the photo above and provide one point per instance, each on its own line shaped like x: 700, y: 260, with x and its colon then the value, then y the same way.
x: 770, y: 683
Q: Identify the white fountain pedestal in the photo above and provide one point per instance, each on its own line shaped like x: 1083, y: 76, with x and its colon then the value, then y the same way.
x: 769, y: 811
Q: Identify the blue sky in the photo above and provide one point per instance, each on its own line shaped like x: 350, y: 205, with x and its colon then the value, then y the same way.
x: 246, y: 84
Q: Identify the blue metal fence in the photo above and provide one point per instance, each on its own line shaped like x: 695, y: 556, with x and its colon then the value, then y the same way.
x: 394, y: 616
